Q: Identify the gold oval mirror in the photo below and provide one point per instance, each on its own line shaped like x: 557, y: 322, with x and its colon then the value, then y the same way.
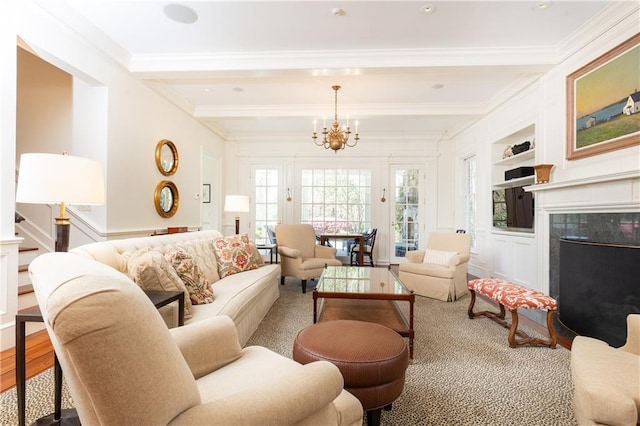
x: 166, y: 198
x: 166, y: 157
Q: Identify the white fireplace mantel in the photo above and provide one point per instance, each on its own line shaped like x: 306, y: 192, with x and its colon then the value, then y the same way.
x: 591, y: 180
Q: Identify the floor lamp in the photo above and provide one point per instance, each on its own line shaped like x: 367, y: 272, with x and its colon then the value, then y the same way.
x: 64, y: 180
x: 237, y: 204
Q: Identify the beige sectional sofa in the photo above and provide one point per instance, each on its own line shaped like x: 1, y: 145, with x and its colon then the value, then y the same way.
x: 245, y: 297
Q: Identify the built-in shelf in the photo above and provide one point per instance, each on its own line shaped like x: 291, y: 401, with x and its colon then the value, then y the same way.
x: 523, y: 181
x: 516, y: 159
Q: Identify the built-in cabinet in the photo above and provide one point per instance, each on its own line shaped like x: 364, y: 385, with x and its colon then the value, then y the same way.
x: 513, y: 256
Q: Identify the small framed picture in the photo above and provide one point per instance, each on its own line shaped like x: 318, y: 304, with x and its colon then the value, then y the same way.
x: 206, y: 193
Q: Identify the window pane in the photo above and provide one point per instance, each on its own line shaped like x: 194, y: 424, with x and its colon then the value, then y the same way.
x: 266, y: 202
x: 337, y: 200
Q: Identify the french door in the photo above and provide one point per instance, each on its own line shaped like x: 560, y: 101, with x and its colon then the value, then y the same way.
x: 407, y: 210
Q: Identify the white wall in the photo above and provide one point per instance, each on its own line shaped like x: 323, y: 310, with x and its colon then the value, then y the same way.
x: 544, y: 104
x: 8, y: 241
x: 123, y: 120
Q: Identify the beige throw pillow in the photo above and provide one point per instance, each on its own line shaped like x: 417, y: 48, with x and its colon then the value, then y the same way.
x: 151, y: 271
x: 438, y: 257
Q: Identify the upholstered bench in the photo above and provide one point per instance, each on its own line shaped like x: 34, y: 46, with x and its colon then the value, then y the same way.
x: 372, y: 359
x: 513, y: 297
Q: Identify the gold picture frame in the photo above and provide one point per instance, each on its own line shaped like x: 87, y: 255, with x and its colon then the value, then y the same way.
x: 166, y: 199
x: 603, y: 102
x: 166, y: 157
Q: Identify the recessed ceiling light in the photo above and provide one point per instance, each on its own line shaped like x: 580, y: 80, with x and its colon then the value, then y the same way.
x: 180, y: 13
x: 544, y: 5
x: 207, y: 89
x: 428, y: 9
x: 437, y: 86
x: 338, y: 12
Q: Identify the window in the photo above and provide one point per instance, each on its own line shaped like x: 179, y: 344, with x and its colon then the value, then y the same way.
x: 470, y: 198
x: 407, y: 221
x: 336, y: 200
x: 266, y: 203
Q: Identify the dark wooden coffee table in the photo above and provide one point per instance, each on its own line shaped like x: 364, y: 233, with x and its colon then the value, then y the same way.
x: 364, y: 294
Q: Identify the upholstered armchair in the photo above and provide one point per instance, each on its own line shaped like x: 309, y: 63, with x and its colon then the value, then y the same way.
x: 440, y: 271
x: 300, y: 256
x: 124, y: 366
x: 606, y: 380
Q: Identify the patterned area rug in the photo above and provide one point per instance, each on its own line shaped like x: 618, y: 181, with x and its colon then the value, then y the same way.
x: 39, y: 400
x: 463, y: 371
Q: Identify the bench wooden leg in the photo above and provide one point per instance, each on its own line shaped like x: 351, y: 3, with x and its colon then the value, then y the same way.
x: 496, y: 316
x: 525, y: 338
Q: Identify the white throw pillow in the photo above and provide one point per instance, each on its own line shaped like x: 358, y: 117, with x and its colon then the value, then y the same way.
x: 438, y: 257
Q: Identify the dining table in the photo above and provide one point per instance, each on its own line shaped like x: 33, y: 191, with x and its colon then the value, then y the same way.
x: 358, y: 238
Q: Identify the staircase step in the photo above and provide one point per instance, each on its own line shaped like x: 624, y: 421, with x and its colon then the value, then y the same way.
x: 25, y: 249
x: 25, y: 289
x: 23, y: 268
x: 27, y: 300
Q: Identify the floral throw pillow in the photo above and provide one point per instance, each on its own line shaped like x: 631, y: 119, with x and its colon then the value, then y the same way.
x: 199, y: 288
x: 234, y: 255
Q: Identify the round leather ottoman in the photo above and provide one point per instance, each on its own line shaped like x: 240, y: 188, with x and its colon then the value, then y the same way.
x: 372, y: 359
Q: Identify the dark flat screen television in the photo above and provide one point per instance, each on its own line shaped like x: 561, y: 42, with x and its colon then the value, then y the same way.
x: 513, y: 208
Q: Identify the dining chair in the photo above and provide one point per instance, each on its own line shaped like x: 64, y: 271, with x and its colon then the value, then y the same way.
x: 369, y: 243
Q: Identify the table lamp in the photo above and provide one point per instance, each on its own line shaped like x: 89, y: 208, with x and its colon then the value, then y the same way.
x: 60, y: 179
x: 64, y: 180
x: 237, y: 204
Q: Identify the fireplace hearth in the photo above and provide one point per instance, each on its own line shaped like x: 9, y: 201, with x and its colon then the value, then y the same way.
x: 595, y: 272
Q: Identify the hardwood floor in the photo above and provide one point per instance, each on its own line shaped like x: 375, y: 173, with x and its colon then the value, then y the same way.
x: 40, y: 352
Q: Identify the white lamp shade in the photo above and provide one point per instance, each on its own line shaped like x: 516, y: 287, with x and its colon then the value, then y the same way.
x: 236, y: 203
x: 56, y: 178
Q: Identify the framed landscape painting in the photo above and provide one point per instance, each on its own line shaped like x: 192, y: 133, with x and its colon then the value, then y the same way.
x: 603, y: 102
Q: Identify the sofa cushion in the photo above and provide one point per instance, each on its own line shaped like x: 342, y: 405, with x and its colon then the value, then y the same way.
x: 204, y: 256
x: 152, y: 271
x: 438, y: 257
x: 234, y: 255
x: 196, y: 283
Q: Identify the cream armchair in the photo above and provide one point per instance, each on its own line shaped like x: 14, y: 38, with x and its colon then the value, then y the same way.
x: 606, y: 380
x: 440, y: 271
x: 300, y: 256
x: 125, y: 367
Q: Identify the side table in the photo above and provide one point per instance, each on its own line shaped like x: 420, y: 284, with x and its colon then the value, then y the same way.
x: 273, y: 249
x: 67, y: 416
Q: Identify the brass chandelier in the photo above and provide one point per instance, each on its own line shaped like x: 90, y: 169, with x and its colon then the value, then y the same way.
x: 335, y: 138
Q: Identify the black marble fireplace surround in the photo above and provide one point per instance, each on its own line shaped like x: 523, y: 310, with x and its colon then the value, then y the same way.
x: 594, y: 269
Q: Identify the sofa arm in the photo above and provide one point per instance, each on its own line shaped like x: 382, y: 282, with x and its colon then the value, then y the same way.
x: 325, y: 252
x: 633, y: 334
x: 208, y: 344
x: 415, y: 256
x: 289, y: 252
x: 290, y: 398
